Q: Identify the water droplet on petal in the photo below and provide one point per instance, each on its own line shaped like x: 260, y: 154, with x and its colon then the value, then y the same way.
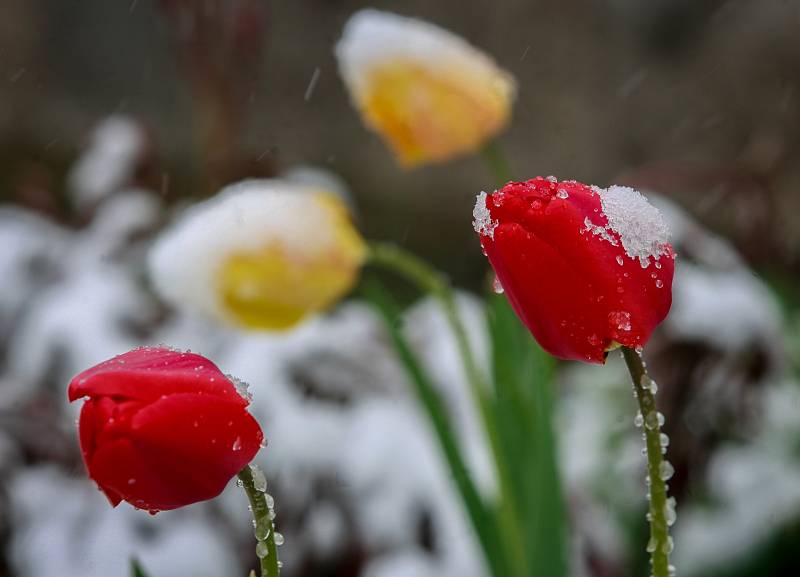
x: 237, y: 444
x: 620, y: 262
x: 496, y: 286
x: 562, y: 193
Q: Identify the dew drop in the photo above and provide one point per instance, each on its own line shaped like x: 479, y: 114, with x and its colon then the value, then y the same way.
x: 651, y: 545
x: 562, y: 193
x: 237, y: 444
x: 497, y: 287
x: 638, y: 420
x: 270, y: 500
x: 262, y: 550
x: 651, y: 421
x: 666, y: 470
x: 664, y: 440
x: 659, y: 284
x: 620, y: 262
x: 279, y: 540
x: 261, y: 531
x: 668, y: 546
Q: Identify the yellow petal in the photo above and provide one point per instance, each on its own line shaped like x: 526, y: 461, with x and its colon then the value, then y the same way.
x: 276, y: 287
x: 427, y: 92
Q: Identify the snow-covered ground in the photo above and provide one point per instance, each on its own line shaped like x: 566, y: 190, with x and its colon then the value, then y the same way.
x: 351, y: 459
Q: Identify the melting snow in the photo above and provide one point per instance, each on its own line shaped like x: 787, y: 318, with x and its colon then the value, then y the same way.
x: 483, y: 222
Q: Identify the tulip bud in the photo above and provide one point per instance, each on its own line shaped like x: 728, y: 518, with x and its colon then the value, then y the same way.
x: 161, y: 429
x: 586, y: 269
x: 263, y: 254
x: 430, y: 94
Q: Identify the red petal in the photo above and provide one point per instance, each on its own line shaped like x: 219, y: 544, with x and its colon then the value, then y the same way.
x: 180, y: 450
x: 566, y: 283
x: 147, y: 374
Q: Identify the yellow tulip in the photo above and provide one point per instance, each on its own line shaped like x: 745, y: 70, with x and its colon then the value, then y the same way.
x: 263, y: 254
x: 430, y: 94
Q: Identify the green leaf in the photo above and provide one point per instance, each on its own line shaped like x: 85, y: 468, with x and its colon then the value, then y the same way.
x: 136, y: 569
x: 523, y: 380
x: 483, y: 518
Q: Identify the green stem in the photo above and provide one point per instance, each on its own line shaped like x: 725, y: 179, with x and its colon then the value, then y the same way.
x: 658, y: 469
x: 497, y: 163
x: 266, y: 548
x: 430, y: 280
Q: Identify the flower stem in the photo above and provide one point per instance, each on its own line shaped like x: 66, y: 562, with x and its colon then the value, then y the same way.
x: 496, y: 161
x: 432, y: 281
x: 658, y: 469
x: 266, y: 549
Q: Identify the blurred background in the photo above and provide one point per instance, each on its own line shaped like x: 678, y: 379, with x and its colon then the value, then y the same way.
x: 115, y: 114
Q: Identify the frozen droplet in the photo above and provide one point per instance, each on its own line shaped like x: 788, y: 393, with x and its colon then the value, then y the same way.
x: 638, y: 420
x: 620, y: 320
x: 262, y: 550
x: 259, y: 480
x: 496, y: 286
x: 669, y: 512
x: 279, y: 540
x: 620, y: 262
x: 562, y: 193
x: 237, y: 444
x: 261, y: 531
x: 666, y: 470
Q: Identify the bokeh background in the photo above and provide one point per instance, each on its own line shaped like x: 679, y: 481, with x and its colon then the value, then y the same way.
x: 115, y: 114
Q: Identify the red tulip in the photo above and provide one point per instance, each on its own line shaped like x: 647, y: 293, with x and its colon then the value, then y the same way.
x: 586, y: 269
x: 161, y: 429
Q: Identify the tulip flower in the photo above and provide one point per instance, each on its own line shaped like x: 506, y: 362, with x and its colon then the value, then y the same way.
x: 430, y: 94
x: 263, y: 254
x: 586, y: 269
x: 161, y: 428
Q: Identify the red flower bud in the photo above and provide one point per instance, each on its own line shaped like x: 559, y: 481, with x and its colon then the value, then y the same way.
x: 161, y: 429
x: 584, y: 268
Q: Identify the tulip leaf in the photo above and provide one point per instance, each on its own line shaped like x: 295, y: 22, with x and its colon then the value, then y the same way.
x: 523, y: 380
x: 482, y: 516
x: 136, y: 569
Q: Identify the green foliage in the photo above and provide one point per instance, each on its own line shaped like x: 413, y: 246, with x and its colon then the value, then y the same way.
x: 136, y: 569
x: 522, y: 530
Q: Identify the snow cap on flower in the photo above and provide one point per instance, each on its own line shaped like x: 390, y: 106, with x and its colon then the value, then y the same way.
x: 585, y: 268
x: 262, y: 254
x: 429, y: 93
